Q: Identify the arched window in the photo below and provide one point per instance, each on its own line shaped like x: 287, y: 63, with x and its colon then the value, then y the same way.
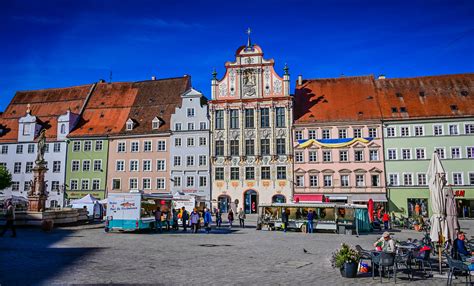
x: 63, y: 128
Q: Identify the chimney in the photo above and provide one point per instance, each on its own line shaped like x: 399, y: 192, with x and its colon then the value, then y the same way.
x: 300, y: 79
x: 153, y: 77
x: 382, y: 76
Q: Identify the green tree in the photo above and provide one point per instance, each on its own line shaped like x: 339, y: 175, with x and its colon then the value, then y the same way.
x: 5, y: 178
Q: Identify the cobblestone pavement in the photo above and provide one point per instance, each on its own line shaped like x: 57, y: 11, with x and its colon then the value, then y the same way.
x: 85, y: 254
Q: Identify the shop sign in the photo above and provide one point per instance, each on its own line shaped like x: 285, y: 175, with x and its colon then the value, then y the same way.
x: 460, y: 193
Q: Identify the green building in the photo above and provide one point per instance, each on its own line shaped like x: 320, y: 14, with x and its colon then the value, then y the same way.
x: 409, y: 146
x: 86, y: 171
x: 420, y: 116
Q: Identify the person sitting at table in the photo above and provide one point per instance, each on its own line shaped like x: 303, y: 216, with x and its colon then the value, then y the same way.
x: 385, y: 243
x: 459, y: 247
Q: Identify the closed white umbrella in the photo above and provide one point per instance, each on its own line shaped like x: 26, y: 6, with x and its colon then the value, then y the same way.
x: 451, y: 215
x: 436, y: 183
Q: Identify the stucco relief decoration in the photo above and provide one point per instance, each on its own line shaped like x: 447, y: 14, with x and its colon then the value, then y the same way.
x: 249, y: 82
x: 235, y: 162
x: 266, y: 75
x: 250, y: 184
x: 249, y: 134
x: 281, y: 133
x: 219, y: 135
x: 235, y: 134
x: 266, y: 183
x: 220, y: 160
x: 282, y: 183
x: 223, y: 89
x: 265, y: 133
x: 219, y: 184
x: 232, y: 82
x: 277, y: 86
x: 235, y: 184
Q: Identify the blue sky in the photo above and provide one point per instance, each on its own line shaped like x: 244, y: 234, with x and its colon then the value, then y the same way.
x: 62, y: 43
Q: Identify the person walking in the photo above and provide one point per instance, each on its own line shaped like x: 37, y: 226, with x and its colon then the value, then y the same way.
x: 10, y: 217
x: 284, y: 219
x: 158, y: 225
x: 207, y: 220
x: 386, y: 220
x: 175, y: 219
x: 218, y: 217
x: 242, y: 218
x: 194, y: 219
x: 310, y: 219
x: 184, y: 218
x: 230, y: 218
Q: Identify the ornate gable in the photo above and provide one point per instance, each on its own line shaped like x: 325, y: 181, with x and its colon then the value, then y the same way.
x: 250, y: 76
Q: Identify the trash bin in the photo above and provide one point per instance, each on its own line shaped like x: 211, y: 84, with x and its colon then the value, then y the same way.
x: 341, y: 229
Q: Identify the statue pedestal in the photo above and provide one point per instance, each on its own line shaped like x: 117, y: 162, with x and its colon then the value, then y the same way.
x: 37, y: 203
x: 37, y: 197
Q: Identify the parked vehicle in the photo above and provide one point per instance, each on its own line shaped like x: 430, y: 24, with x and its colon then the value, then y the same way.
x: 328, y: 217
x: 134, y: 211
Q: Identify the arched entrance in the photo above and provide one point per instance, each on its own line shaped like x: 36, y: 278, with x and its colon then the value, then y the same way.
x: 278, y: 199
x: 250, y: 202
x: 223, y: 203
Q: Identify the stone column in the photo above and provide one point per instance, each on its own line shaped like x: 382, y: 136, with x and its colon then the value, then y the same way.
x: 37, y: 196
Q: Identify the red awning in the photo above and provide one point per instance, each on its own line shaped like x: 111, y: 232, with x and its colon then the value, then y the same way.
x: 308, y: 198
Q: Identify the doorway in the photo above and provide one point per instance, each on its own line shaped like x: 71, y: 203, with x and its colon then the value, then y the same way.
x: 250, y: 202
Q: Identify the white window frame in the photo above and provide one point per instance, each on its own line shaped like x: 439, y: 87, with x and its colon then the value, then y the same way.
x: 376, y: 152
x: 403, y: 155
x: 88, y: 184
x: 73, y: 182
x: 408, y: 130
x: 299, y: 156
x: 441, y: 128
x: 408, y: 173
x: 395, y: 150
x: 74, y: 144
x: 315, y: 152
x: 357, y: 132
x: 393, y: 132
x: 82, y: 165
x: 462, y: 178
x: 149, y: 182
x: 164, y: 183
x: 397, y: 176
x: 416, y: 153
x: 457, y: 129
x: 158, y: 142
x: 130, y: 165
x: 124, y: 146
x: 164, y: 165
x: 150, y: 165
x: 470, y: 156
x: 93, y: 167
x: 418, y: 179
x: 89, y: 143
x: 145, y: 142
x: 451, y: 152
x: 120, y: 182
x: 133, y: 144
x: 444, y: 151
x: 375, y: 129
x: 78, y: 165
x: 117, y: 165
x: 92, y: 184
x: 469, y: 175
x: 298, y: 135
x: 130, y: 185
x: 190, y: 112
x: 415, y: 127
x: 101, y: 145
x: 312, y: 176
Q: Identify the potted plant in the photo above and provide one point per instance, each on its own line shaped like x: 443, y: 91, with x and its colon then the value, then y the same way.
x: 347, y: 260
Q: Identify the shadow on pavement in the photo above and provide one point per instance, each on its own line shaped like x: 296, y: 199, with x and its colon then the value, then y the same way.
x: 31, y: 258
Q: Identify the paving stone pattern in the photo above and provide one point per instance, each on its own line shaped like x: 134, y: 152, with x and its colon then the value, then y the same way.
x: 86, y: 254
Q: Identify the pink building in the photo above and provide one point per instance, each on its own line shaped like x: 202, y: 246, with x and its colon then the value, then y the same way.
x: 338, y: 141
x: 139, y: 155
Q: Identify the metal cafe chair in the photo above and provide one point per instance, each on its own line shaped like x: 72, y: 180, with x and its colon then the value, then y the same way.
x: 382, y: 260
x: 457, y: 265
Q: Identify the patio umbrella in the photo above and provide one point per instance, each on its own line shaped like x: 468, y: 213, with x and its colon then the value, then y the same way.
x: 370, y: 209
x: 436, y: 183
x: 451, y: 215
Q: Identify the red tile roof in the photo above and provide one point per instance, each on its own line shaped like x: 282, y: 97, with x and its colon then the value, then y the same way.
x: 336, y: 99
x: 111, y: 105
x: 430, y: 96
x: 366, y: 98
x: 46, y: 104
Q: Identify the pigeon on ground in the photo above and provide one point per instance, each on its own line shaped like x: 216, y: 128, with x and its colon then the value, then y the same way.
x: 305, y: 251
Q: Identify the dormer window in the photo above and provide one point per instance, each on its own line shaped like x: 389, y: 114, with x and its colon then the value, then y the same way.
x: 27, y: 129
x: 130, y: 124
x: 63, y: 128
x: 190, y: 112
x: 156, y: 123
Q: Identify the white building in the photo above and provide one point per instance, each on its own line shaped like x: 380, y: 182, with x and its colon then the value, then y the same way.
x: 189, y: 157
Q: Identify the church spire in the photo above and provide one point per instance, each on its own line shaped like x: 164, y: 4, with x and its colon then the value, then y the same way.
x: 249, y: 43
